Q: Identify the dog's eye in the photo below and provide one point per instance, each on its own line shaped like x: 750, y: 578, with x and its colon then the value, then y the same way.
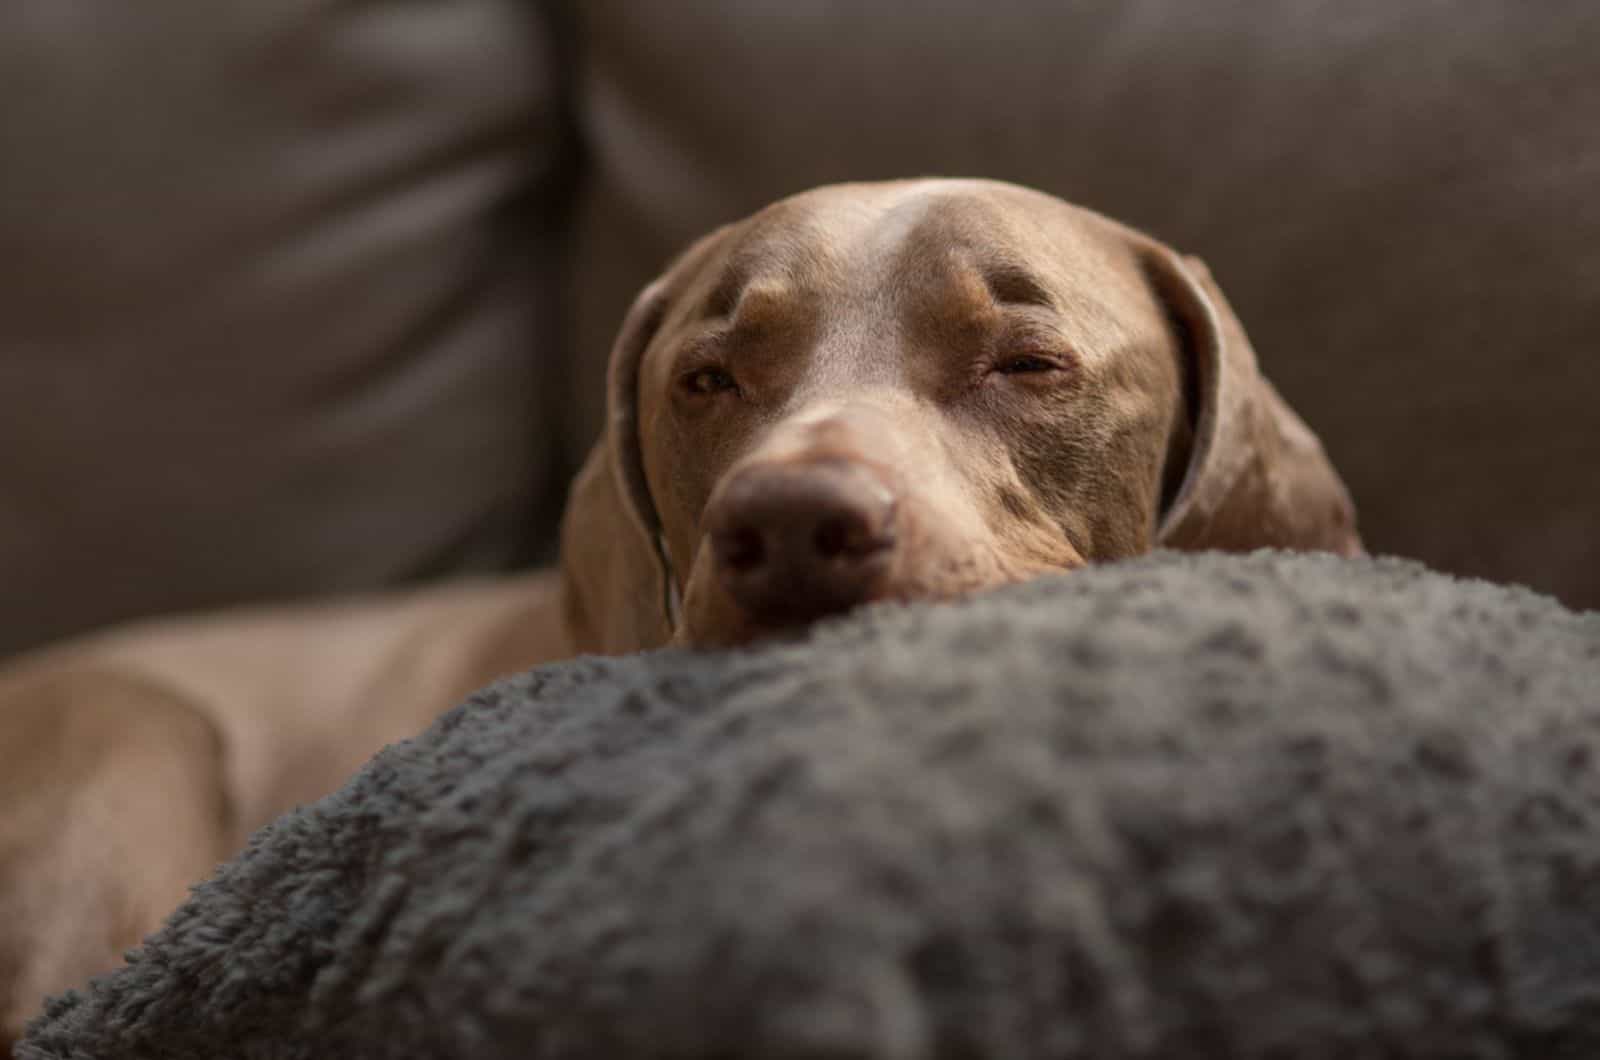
x: 708, y: 381
x: 1024, y: 364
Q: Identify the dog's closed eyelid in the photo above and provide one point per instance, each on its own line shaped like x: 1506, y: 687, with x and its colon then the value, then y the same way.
x: 1021, y: 363
x: 1043, y: 367
x: 1031, y: 339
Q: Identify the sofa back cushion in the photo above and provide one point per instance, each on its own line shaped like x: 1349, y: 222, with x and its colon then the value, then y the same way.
x: 271, y: 301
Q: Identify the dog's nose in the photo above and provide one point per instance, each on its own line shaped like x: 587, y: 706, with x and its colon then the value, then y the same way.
x: 795, y: 541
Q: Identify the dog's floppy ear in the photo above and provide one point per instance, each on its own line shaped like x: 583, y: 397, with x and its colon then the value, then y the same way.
x: 1257, y: 477
x: 615, y: 581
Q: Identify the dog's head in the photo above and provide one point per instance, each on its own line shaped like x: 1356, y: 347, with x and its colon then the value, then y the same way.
x: 912, y: 391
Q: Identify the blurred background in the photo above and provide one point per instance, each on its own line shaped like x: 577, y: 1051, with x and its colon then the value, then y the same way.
x: 303, y: 297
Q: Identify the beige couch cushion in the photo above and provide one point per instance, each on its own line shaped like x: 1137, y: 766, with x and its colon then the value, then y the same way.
x: 1400, y: 199
x: 270, y: 302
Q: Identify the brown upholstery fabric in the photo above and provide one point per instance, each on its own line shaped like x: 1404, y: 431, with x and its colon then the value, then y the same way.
x: 1399, y: 199
x: 271, y: 298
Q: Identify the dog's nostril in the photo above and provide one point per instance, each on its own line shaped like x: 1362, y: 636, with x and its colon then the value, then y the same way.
x: 832, y: 538
x: 847, y: 535
x: 839, y: 536
x: 742, y: 549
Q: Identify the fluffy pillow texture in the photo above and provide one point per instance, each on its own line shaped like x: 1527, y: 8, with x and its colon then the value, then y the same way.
x: 1246, y: 807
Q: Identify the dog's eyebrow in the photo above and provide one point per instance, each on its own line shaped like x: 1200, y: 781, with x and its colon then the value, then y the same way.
x: 1012, y: 284
x: 748, y: 301
x: 724, y: 297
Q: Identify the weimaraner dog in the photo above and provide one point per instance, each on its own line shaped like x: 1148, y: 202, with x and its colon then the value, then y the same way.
x: 868, y: 392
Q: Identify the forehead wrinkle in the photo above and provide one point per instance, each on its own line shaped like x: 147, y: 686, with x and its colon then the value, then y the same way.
x: 1096, y: 291
x: 978, y: 250
x: 847, y: 242
x: 783, y: 256
x: 984, y: 230
x: 826, y: 252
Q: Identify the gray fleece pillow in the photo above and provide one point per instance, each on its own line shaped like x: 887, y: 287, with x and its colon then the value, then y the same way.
x: 1202, y: 806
